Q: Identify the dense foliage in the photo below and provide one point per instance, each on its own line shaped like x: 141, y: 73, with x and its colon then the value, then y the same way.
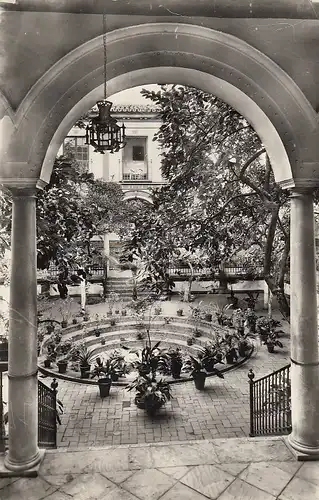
x: 221, y: 201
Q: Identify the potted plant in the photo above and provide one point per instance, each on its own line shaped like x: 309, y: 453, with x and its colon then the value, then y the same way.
x: 272, y: 342
x: 50, y: 328
x: 113, y: 322
x: 210, y: 355
x: 102, y: 341
x: 106, y: 373
x: 84, y: 356
x: 230, y: 343
x: 176, y: 362
x: 151, y: 359
x: 48, y: 360
x: 199, y: 372
x: 97, y: 332
x: 150, y: 393
x: 124, y: 312
x: 122, y: 367
x: 250, y: 320
x: 179, y: 312
x: 157, y: 310
x: 190, y: 341
x: 62, y: 365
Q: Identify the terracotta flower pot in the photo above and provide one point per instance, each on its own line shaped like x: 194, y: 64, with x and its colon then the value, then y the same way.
x: 271, y: 348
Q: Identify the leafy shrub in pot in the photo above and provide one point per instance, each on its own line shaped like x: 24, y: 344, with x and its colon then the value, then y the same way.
x: 150, y: 393
x: 198, y: 370
x: 106, y: 372
x: 176, y: 362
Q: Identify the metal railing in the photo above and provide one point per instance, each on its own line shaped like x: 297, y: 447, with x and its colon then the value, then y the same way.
x: 48, y: 416
x: 207, y: 271
x: 49, y: 408
x: 270, y: 403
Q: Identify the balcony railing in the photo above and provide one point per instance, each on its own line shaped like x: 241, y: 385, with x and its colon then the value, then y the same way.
x: 135, y: 177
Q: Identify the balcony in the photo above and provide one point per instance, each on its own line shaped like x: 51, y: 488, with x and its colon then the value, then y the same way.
x: 134, y: 177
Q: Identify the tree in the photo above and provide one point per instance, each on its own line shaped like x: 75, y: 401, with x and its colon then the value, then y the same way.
x: 70, y: 210
x: 221, y: 196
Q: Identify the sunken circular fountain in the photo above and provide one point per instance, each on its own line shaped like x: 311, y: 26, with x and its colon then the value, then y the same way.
x: 125, y: 337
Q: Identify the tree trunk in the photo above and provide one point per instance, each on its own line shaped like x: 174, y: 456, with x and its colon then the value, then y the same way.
x: 277, y: 289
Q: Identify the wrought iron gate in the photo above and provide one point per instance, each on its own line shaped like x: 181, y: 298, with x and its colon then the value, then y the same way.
x: 48, y: 415
x: 270, y: 403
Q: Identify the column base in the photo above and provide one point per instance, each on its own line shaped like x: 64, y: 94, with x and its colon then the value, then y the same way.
x: 29, y: 469
x: 302, y: 453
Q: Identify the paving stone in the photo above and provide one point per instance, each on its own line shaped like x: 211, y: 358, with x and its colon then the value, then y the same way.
x: 88, y: 487
x: 184, y: 454
x: 27, y: 488
x: 118, y: 476
x: 58, y: 495
x: 234, y: 469
x: 112, y: 459
x: 207, y: 479
x: 249, y: 450
x: 58, y: 479
x: 5, y: 481
x: 139, y: 458
x: 310, y: 472
x: 176, y: 472
x: 182, y: 492
x: 148, y: 484
x: 299, y: 489
x: 240, y: 490
x: 267, y: 477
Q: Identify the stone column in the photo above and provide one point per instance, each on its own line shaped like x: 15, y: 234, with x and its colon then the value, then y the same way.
x: 23, y: 453
x: 304, y: 330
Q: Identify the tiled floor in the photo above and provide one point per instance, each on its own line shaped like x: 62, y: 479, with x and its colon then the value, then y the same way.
x: 221, y: 410
x: 240, y: 468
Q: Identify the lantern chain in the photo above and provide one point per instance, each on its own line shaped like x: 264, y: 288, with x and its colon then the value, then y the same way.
x: 104, y: 51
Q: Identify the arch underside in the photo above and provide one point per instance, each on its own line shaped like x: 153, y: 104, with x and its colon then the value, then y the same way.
x: 164, y: 53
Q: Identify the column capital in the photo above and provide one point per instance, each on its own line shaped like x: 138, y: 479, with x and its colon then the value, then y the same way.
x: 300, y: 192
x: 21, y: 188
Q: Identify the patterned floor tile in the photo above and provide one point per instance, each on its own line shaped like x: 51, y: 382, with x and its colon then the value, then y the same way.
x: 240, y: 490
x: 27, y: 488
x: 299, y: 489
x: 88, y: 487
x: 266, y: 477
x: 182, y: 492
x: 176, y: 472
x: 148, y: 484
x: 208, y: 480
x: 310, y: 472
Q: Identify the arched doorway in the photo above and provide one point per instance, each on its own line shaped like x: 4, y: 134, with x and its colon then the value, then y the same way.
x: 176, y: 53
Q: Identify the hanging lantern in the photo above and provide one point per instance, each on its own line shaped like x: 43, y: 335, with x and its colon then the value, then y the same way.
x: 103, y: 132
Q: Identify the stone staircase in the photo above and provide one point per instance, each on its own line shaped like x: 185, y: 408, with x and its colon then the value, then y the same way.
x: 124, y: 288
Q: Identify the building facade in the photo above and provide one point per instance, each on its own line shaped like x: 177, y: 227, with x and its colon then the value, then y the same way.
x: 136, y: 167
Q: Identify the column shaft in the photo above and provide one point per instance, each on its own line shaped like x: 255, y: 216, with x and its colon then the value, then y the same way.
x: 304, y: 330
x: 23, y: 450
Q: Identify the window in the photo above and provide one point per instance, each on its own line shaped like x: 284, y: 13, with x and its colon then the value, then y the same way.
x: 80, y: 150
x: 138, y: 153
x: 134, y: 157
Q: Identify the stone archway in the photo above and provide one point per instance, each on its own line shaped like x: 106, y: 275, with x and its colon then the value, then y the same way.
x: 176, y: 53
x: 214, y: 61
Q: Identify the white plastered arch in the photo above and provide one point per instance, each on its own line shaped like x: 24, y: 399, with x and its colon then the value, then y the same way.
x: 173, y: 53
